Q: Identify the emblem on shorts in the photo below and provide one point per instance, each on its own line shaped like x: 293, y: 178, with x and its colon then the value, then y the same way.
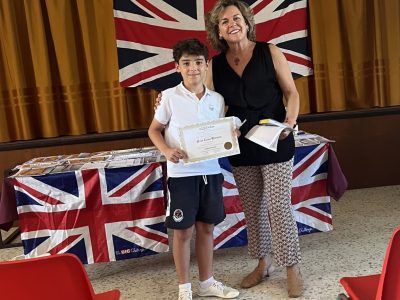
x: 178, y: 215
x: 228, y: 145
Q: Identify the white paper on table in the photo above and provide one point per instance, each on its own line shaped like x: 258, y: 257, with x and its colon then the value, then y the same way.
x: 94, y: 165
x: 126, y: 163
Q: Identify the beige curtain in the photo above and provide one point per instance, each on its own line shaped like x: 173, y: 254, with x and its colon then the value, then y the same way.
x: 59, y: 70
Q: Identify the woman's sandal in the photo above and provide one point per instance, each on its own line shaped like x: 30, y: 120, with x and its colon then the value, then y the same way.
x: 257, y: 275
x: 295, y: 282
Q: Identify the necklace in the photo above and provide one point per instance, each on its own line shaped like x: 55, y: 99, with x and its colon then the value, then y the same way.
x: 236, y: 60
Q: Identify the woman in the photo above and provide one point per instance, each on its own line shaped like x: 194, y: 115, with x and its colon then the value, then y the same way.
x: 252, y: 77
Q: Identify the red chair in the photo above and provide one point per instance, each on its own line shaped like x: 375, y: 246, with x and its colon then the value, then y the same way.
x: 384, y: 286
x: 60, y: 276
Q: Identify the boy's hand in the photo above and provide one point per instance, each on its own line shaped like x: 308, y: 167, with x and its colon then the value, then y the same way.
x: 158, y: 101
x: 174, y: 154
x: 237, y: 132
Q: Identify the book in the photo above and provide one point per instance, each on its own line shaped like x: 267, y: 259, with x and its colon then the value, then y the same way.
x: 267, y: 133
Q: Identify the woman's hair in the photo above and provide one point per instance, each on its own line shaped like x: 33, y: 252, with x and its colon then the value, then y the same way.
x: 212, y: 22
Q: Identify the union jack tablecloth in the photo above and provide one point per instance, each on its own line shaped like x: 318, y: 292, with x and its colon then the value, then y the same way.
x: 110, y: 214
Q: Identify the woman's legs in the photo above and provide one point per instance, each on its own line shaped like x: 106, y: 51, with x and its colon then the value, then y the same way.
x: 250, y: 185
x: 278, y: 185
x: 265, y: 192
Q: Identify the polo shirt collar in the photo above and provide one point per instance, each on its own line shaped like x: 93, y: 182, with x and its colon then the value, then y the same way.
x: 181, y: 86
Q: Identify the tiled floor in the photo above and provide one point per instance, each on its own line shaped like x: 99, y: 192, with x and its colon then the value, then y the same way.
x: 363, y: 221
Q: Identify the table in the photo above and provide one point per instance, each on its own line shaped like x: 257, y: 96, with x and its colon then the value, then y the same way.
x: 107, y: 214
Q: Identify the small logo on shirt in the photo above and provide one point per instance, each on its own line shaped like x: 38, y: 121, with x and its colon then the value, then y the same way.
x: 211, y: 107
x: 178, y: 215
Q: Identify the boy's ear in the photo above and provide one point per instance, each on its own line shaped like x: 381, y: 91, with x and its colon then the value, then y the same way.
x: 177, y: 67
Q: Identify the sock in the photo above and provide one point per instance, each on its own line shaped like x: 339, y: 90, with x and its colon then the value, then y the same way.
x: 206, y: 283
x: 185, y: 286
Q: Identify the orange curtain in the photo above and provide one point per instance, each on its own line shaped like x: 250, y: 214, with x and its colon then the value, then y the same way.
x: 59, y: 70
x: 356, y: 55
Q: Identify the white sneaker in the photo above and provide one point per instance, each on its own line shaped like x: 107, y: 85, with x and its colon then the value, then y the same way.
x: 185, y: 294
x: 218, y: 289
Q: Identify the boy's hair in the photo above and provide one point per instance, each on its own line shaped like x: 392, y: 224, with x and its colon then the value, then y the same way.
x: 189, y: 47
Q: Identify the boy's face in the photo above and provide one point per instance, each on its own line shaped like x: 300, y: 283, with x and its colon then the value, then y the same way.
x: 193, y: 69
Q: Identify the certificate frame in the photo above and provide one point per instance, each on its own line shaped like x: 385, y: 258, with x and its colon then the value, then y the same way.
x: 209, y: 140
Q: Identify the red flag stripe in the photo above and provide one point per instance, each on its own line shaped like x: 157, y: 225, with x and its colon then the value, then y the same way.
x: 292, y: 21
x: 155, y: 10
x: 32, y: 221
x: 136, y: 180
x: 309, y: 161
x: 309, y: 191
x: 232, y: 204
x: 146, y: 74
x: 149, y: 235
x: 229, y: 185
x: 298, y: 60
x: 260, y: 6
x: 127, y: 30
x: 315, y: 214
x: 43, y: 197
x: 228, y: 232
x: 63, y: 244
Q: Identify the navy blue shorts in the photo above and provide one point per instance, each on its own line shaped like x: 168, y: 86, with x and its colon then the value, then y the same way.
x: 195, y: 198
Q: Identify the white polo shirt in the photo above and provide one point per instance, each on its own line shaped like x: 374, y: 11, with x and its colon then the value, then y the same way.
x: 180, y: 107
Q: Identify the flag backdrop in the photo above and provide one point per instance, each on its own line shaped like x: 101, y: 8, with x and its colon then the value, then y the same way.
x: 146, y: 31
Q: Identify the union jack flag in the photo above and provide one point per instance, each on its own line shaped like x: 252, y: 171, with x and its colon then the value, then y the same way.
x: 232, y: 231
x: 146, y: 31
x: 310, y: 199
x: 98, y: 214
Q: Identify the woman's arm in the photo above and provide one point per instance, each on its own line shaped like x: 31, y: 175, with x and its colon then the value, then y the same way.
x: 209, y: 81
x: 209, y: 77
x: 285, y: 80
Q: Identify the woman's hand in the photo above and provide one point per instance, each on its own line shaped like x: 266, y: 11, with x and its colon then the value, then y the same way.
x: 158, y: 101
x: 284, y: 134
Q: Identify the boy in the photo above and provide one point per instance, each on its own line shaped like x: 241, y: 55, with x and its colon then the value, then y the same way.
x: 195, y: 190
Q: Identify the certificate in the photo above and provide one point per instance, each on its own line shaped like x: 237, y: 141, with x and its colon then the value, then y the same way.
x: 209, y: 140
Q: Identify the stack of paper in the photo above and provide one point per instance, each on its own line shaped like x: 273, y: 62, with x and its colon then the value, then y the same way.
x: 266, y: 136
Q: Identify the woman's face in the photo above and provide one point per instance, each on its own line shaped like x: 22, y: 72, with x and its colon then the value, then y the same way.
x: 232, y: 25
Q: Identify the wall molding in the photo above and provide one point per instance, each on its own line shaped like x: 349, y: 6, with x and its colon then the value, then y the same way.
x: 142, y: 133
